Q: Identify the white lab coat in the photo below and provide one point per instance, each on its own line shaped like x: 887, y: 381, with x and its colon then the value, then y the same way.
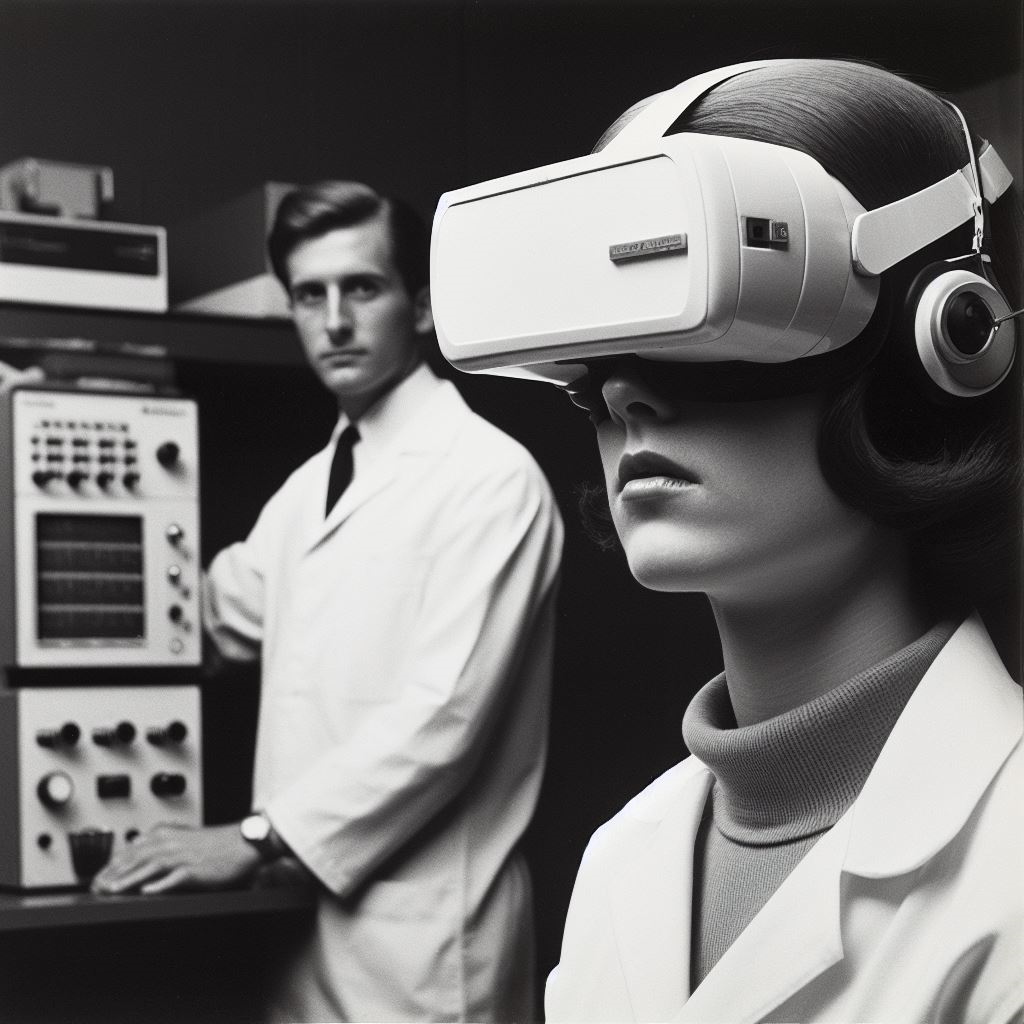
x: 909, y: 910
x: 406, y: 644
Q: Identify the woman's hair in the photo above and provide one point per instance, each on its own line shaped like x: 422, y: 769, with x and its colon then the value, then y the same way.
x: 313, y: 210
x: 946, y: 474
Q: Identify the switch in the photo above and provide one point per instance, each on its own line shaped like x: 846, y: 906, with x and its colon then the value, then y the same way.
x: 120, y: 735
x: 130, y: 480
x: 174, y: 534
x: 113, y: 787
x: 168, y: 784
x: 76, y: 478
x: 66, y: 736
x: 172, y: 734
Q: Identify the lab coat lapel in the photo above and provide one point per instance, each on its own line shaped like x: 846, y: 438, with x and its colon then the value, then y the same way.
x: 650, y: 906
x: 794, y: 938
x: 370, y: 480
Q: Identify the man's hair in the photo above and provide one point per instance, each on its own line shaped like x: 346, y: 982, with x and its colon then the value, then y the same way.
x: 948, y: 475
x: 313, y: 210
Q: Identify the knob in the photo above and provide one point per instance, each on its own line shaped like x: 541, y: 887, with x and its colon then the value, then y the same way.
x: 168, y: 454
x: 105, y: 479
x: 66, y: 736
x: 41, y: 477
x: 175, y: 613
x: 55, y: 789
x: 130, y: 480
x: 174, y: 534
x: 120, y: 735
x: 44, y: 840
x: 174, y: 574
x: 76, y: 477
x: 173, y: 733
x: 90, y: 851
x: 167, y: 784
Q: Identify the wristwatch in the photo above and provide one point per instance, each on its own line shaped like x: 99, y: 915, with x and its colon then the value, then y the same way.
x: 259, y: 833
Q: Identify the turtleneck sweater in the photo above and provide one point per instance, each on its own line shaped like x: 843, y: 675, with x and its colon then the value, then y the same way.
x: 781, y: 783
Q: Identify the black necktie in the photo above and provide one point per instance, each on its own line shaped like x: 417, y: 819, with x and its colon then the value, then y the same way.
x: 341, y: 467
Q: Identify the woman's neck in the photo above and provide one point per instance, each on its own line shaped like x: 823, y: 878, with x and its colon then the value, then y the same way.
x: 780, y: 653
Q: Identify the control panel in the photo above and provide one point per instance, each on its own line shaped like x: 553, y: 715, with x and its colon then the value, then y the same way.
x: 99, y: 557
x: 84, y: 770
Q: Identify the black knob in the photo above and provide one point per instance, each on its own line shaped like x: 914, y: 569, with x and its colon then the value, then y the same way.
x: 41, y: 477
x: 104, y: 479
x: 90, y: 851
x: 168, y: 454
x: 175, y: 613
x: 120, y: 735
x: 130, y: 480
x: 44, y: 840
x: 76, y: 477
x: 167, y: 784
x: 173, y: 733
x: 55, y: 789
x: 66, y: 736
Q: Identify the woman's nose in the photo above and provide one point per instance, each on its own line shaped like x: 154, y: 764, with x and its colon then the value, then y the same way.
x: 629, y: 397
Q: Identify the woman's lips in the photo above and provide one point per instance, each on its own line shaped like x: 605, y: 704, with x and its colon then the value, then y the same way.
x: 642, y: 473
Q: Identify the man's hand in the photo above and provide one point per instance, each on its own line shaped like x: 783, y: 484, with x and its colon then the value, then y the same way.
x: 179, y: 857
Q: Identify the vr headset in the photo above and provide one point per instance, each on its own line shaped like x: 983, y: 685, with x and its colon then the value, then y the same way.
x: 697, y: 248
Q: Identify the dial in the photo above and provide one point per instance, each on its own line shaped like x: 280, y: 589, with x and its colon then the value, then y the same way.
x: 56, y: 789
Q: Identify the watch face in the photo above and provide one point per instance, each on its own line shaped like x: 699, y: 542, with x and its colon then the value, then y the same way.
x: 255, y: 828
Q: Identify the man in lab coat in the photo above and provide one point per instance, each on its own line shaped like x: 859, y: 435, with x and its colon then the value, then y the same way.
x: 399, y: 589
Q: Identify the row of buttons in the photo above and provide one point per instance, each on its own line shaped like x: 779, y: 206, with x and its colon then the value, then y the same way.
x: 122, y: 734
x: 81, y: 425
x: 56, y: 789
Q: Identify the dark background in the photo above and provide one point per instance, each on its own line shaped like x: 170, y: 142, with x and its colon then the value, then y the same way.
x: 195, y: 102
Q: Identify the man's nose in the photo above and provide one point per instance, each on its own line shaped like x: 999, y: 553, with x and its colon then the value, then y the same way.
x: 338, y: 316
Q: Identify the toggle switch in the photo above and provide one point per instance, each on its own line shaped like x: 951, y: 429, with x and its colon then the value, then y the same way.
x: 120, y: 735
x: 172, y: 734
x: 66, y: 736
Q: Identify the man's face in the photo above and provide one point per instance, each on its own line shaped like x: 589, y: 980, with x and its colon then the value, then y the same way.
x: 359, y: 326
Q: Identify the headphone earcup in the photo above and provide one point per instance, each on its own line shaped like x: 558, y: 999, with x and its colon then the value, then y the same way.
x: 950, y: 319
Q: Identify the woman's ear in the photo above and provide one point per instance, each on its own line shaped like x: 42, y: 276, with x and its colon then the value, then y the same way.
x: 423, y: 314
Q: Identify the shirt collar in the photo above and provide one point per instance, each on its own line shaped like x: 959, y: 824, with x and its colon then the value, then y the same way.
x: 795, y: 774
x: 385, y: 424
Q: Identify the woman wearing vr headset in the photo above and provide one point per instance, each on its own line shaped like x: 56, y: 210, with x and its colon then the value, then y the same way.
x: 844, y: 842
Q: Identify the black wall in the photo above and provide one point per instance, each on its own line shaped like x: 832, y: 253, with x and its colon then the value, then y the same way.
x: 193, y: 102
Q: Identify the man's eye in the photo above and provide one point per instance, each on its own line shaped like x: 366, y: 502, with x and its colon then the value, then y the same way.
x: 308, y: 295
x: 362, y: 288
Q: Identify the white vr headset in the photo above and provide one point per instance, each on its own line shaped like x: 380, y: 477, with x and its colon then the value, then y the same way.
x: 692, y: 248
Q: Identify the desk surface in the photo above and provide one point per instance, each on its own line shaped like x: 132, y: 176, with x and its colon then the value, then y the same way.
x: 20, y: 911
